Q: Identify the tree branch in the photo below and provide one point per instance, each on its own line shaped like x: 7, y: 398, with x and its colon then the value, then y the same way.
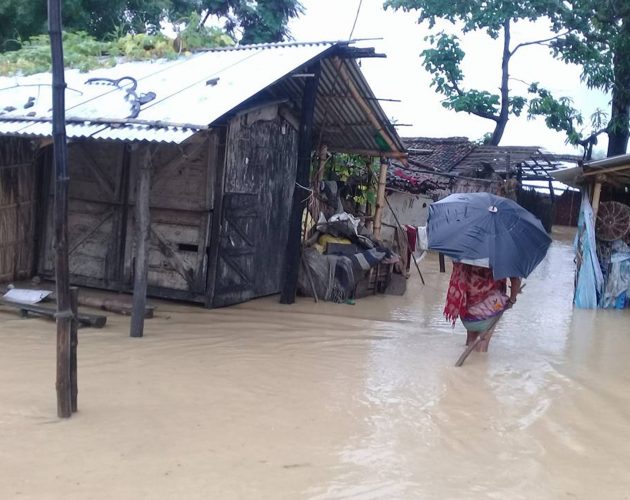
x: 456, y: 88
x: 483, y: 114
x: 543, y: 41
x: 586, y: 141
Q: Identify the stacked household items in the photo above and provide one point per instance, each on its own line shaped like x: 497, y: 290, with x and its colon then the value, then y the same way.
x: 338, y: 257
x: 603, y: 256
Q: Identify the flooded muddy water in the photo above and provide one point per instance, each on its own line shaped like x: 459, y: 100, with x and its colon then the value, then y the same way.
x: 326, y: 401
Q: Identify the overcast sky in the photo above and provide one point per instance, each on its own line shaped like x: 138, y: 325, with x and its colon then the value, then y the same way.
x: 401, y: 75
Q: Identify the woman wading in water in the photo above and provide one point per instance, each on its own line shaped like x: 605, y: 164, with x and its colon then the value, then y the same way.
x: 478, y: 300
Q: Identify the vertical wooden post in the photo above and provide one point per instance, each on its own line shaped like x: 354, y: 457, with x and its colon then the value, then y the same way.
x: 142, y: 230
x: 305, y: 147
x: 552, y: 193
x: 597, y: 191
x: 552, y: 199
x: 380, y: 198
x: 442, y: 263
x: 62, y: 267
x: 125, y: 169
x: 74, y: 342
x: 322, y: 155
x: 369, y: 224
x: 217, y: 214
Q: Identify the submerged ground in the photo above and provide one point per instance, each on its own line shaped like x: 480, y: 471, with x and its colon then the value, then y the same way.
x: 322, y: 401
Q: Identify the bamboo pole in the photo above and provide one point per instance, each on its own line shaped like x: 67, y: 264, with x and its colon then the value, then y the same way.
x: 62, y: 269
x: 380, y: 199
x: 369, y: 224
x: 74, y: 342
x: 442, y: 262
x: 142, y: 229
x: 404, y: 232
x: 370, y: 152
x: 367, y: 110
x: 597, y: 191
x: 607, y: 170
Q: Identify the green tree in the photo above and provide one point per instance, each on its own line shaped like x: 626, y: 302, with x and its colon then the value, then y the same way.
x: 258, y: 22
x: 599, y: 41
x: 443, y: 60
x: 19, y: 19
x: 261, y: 21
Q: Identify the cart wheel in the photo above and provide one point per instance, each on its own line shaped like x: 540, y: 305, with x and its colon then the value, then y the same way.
x: 613, y: 221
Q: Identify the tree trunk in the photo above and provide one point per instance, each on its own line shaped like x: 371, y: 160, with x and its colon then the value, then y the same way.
x: 504, y: 113
x: 618, y: 128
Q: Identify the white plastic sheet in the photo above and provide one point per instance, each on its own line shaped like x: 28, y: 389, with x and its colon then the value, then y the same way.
x: 25, y: 296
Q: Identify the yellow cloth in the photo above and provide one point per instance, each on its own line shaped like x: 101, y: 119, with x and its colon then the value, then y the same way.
x: 324, y: 239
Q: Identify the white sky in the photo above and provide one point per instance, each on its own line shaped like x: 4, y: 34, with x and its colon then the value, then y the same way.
x: 401, y: 75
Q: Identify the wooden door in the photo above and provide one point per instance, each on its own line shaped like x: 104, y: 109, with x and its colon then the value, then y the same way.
x: 237, y: 249
x: 18, y: 195
x: 260, y: 168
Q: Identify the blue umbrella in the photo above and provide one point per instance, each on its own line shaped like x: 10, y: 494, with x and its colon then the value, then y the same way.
x: 486, y: 230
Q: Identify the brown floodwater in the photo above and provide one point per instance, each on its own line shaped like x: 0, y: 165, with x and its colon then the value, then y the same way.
x: 327, y: 401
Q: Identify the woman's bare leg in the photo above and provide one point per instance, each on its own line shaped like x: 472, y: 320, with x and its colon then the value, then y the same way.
x: 483, y: 345
x: 471, y: 337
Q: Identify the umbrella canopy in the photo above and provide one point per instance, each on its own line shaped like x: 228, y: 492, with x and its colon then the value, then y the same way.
x: 485, y: 229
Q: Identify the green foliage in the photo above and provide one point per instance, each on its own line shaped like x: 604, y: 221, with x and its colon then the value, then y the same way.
x: 81, y: 51
x: 22, y: 19
x: 600, y: 43
x: 195, y: 36
x: 589, y: 33
x: 84, y: 52
x: 251, y: 21
x: 485, y: 139
x: 443, y: 61
x: 444, y: 58
x: 517, y: 103
x: 358, y: 173
x: 476, y: 102
x: 559, y: 114
x: 476, y: 15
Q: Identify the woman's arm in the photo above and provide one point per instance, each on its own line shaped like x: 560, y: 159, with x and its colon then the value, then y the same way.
x: 515, y: 289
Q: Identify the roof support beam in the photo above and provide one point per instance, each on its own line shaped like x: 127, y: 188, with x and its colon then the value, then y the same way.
x: 369, y: 152
x: 300, y: 191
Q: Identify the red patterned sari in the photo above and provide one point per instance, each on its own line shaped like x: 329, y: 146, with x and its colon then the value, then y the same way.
x: 474, y: 294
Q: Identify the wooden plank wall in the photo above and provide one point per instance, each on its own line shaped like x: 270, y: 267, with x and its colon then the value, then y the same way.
x: 182, y: 194
x: 101, y: 225
x: 94, y: 211
x: 18, y: 203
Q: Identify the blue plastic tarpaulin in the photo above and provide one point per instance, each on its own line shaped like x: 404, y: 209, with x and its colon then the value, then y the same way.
x: 590, y: 280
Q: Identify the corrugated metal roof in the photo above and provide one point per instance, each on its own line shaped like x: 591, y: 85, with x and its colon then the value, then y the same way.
x: 190, y: 93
